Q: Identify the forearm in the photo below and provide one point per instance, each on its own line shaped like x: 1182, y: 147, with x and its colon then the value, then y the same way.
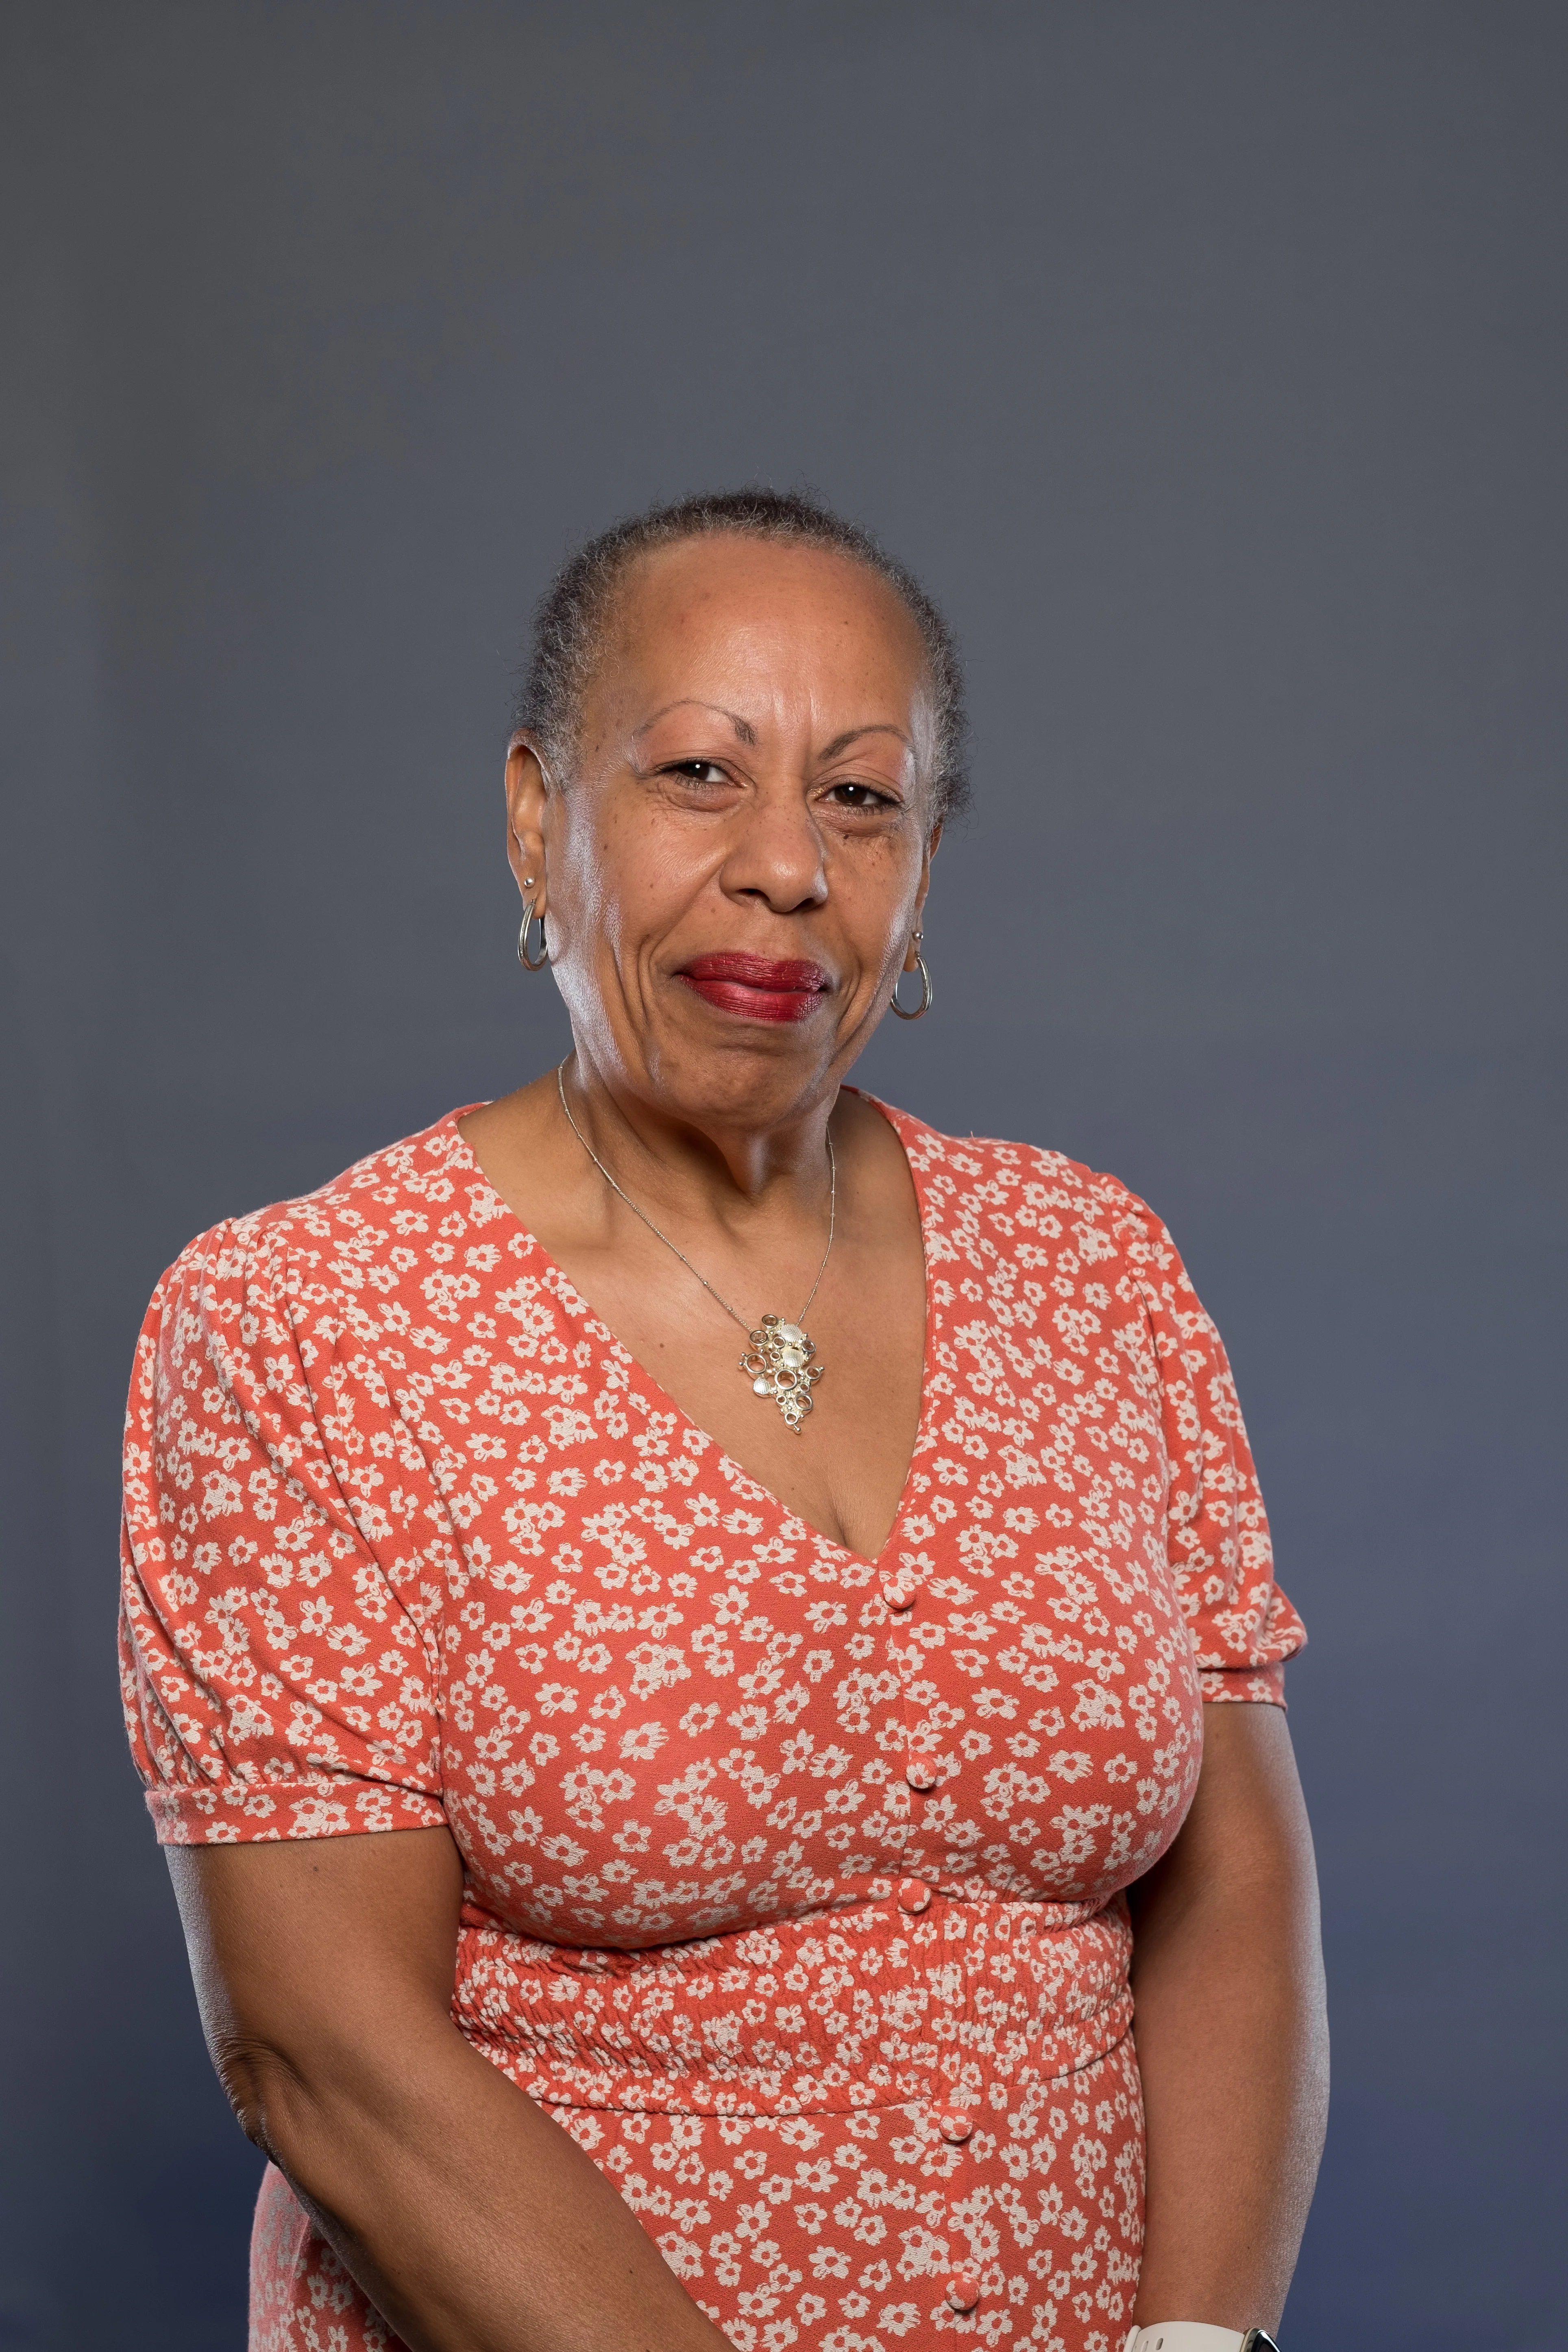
x: 472, y: 2222
x: 1235, y: 2090
x: 1232, y: 2043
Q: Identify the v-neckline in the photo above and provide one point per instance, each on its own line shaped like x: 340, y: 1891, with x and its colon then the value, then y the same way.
x: 572, y: 1299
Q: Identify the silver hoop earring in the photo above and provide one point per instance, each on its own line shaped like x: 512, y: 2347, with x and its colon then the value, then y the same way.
x: 923, y: 1007
x: 528, y: 963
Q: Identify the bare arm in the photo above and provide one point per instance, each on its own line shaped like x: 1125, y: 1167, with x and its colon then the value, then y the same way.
x: 474, y: 2224
x: 1232, y: 2034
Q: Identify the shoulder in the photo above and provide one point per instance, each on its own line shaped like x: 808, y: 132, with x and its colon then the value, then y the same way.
x: 983, y: 1185
x: 322, y: 1247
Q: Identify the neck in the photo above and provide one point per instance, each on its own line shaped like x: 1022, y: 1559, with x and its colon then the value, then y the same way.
x: 705, y: 1157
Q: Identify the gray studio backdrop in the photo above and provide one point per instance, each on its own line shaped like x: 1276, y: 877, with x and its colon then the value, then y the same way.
x: 1208, y: 361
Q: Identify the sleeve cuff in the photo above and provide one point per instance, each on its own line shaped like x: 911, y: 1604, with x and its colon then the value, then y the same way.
x: 237, y: 1812
x: 1255, y: 1685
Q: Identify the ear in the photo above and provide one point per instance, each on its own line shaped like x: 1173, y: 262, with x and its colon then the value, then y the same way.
x: 933, y: 845
x: 528, y: 793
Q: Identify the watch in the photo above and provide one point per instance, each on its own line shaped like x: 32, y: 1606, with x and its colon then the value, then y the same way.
x: 1195, y: 2335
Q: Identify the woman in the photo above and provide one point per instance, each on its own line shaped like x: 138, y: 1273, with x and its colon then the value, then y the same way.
x: 780, y: 1725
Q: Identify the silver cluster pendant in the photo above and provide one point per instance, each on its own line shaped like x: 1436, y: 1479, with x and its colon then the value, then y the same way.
x: 778, y: 1363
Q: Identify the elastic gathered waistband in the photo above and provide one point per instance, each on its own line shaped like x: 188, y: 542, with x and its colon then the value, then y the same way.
x: 872, y: 2006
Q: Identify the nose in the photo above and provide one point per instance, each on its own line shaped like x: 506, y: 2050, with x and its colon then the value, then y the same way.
x: 776, y: 855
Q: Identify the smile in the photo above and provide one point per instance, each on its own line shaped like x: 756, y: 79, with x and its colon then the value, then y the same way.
x: 755, y: 988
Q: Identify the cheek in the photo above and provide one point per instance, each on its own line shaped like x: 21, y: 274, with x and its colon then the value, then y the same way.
x: 627, y: 876
x: 875, y: 894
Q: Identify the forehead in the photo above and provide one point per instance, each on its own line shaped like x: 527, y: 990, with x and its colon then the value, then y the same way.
x: 791, y: 618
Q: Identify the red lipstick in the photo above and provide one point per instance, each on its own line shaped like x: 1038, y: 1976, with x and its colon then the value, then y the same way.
x: 755, y: 988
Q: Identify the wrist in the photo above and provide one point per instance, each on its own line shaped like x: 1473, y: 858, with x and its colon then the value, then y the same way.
x: 1197, y: 2335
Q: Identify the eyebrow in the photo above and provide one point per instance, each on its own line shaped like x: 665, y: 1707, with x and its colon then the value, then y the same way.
x: 852, y: 734
x: 745, y: 732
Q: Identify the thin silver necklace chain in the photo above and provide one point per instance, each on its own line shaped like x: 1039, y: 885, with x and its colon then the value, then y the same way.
x: 680, y: 1254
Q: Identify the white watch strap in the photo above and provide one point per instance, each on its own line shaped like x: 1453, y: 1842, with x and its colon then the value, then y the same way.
x: 1185, y: 2335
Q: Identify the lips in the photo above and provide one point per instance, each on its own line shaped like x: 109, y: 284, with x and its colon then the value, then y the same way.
x: 756, y: 988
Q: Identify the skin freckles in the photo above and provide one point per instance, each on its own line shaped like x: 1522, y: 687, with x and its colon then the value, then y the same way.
x: 752, y: 776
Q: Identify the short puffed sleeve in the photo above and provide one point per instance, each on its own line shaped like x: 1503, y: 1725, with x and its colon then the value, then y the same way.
x: 1216, y: 1531
x: 280, y: 1651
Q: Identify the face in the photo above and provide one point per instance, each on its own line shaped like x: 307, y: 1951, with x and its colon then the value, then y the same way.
x: 732, y: 875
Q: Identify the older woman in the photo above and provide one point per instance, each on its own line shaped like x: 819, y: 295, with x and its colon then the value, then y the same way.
x: 666, y: 1617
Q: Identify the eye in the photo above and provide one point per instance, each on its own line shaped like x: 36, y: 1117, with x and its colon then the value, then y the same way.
x: 862, y: 796
x: 698, y: 771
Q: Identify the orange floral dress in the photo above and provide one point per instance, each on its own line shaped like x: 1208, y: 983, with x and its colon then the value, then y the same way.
x: 794, y: 1879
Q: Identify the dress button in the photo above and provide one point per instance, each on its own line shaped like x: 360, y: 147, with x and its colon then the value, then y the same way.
x: 898, y: 1592
x: 955, y: 2124
x: 920, y: 1772
x: 914, y: 1894
x: 962, y: 2291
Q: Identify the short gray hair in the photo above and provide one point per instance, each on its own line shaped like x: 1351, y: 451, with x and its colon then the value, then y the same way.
x: 571, y: 617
